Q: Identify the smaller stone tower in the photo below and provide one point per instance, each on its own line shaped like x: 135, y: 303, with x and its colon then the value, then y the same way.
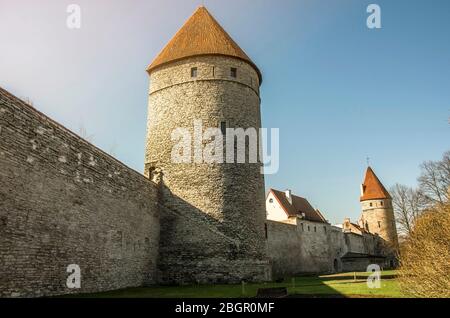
x: 377, y: 213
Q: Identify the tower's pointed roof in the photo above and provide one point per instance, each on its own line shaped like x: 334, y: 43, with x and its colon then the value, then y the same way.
x: 201, y: 34
x: 372, y: 188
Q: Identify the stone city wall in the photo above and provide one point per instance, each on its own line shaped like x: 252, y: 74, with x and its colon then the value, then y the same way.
x: 298, y: 248
x: 63, y: 201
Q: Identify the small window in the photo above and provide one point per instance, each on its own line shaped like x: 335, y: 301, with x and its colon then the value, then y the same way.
x: 151, y: 173
x: 223, y: 127
x: 270, y: 200
x: 194, y: 72
x: 379, y: 224
x: 315, y: 229
x: 308, y: 228
x: 233, y: 72
x: 303, y: 229
x: 370, y: 204
x: 214, y: 71
x: 381, y: 202
x: 325, y: 229
x: 265, y: 230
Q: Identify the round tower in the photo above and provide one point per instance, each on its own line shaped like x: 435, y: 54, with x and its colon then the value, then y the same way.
x: 377, y: 212
x: 213, y: 214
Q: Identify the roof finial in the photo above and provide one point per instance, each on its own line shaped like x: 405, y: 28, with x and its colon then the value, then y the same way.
x: 368, y: 161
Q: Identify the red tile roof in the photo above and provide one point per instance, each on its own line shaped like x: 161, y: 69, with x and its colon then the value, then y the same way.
x: 299, y: 205
x: 200, y: 35
x: 362, y: 230
x: 372, y: 187
x: 353, y: 228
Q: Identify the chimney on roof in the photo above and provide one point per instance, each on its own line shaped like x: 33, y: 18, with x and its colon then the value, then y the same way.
x: 346, y: 225
x: 361, y: 223
x: 288, y: 195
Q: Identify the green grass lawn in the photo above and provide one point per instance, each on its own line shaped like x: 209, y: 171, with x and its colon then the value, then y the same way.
x: 338, y: 285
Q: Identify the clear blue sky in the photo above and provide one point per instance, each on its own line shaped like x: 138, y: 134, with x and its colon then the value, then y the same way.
x: 338, y: 91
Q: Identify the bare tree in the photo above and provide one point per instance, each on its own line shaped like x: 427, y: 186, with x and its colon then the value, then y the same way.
x: 444, y: 166
x: 408, y: 204
x: 399, y: 194
x: 434, y: 180
x: 425, y: 215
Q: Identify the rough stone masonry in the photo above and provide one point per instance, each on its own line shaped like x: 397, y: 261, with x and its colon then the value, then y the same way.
x: 63, y: 201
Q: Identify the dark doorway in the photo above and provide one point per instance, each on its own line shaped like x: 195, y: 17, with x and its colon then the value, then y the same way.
x: 336, y: 265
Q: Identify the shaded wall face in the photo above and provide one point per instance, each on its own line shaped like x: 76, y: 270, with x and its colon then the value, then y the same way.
x: 357, y: 264
x: 229, y: 195
x: 194, y: 250
x: 62, y: 202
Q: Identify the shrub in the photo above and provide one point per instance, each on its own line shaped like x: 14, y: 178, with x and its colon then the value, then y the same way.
x: 425, y: 255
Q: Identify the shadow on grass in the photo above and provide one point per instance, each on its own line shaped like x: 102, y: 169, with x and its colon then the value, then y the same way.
x: 326, y: 286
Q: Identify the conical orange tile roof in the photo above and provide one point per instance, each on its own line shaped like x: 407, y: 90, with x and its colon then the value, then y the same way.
x: 373, y: 188
x: 200, y: 35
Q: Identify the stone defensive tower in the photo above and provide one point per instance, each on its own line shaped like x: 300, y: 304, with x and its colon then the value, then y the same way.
x: 213, y: 214
x: 377, y: 212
